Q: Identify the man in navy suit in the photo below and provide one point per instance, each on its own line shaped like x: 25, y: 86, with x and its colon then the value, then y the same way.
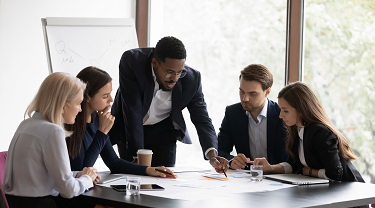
x: 155, y: 86
x: 253, y: 126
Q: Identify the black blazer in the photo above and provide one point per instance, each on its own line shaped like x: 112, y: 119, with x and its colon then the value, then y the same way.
x: 321, y: 152
x: 234, y: 132
x: 134, y: 96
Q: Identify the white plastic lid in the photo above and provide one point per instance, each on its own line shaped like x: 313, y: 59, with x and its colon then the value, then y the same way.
x: 144, y: 151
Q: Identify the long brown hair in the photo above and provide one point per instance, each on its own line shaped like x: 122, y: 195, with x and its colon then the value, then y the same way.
x: 300, y: 97
x: 95, y: 79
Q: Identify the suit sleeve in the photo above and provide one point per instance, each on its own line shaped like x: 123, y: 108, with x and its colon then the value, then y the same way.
x: 129, y: 104
x: 88, y: 158
x: 200, y: 118
x: 225, y: 142
x: 117, y: 165
x: 326, y: 144
x: 92, y: 153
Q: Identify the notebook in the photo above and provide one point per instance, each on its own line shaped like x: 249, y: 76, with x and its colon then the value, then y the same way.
x: 296, y: 179
x: 106, y: 177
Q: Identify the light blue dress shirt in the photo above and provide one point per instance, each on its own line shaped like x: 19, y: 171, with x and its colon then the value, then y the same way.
x: 258, y: 133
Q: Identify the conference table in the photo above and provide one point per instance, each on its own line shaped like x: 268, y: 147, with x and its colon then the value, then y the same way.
x: 205, y: 188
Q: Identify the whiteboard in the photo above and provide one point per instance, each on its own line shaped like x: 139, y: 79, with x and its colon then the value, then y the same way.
x: 75, y: 43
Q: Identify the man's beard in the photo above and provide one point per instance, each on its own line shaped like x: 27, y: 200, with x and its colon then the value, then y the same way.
x: 162, y: 87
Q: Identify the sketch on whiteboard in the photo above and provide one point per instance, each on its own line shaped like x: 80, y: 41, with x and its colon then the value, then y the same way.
x: 70, y: 55
x: 74, y: 47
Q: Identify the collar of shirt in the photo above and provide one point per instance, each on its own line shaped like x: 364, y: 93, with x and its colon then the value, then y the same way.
x: 154, y: 78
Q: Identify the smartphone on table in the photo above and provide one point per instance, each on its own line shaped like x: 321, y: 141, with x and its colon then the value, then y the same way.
x: 144, y: 187
x: 121, y: 188
x: 151, y: 187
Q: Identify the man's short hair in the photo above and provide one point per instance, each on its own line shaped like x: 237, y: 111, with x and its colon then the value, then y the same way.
x: 169, y: 47
x: 259, y: 73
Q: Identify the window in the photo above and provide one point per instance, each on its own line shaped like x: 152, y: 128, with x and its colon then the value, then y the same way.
x: 339, y: 66
x: 222, y: 38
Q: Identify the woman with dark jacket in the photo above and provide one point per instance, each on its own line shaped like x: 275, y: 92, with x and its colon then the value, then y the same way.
x: 316, y: 148
x: 89, y: 137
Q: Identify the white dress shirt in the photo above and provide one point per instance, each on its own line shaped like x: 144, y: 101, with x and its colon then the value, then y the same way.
x: 38, y: 163
x: 161, y: 105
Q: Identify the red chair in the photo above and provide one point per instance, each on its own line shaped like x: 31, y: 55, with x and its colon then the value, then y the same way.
x: 3, y: 200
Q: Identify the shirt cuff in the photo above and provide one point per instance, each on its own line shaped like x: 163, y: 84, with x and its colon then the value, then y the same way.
x: 287, y: 167
x: 322, y: 173
x: 208, y: 150
x: 85, y: 182
x: 75, y: 173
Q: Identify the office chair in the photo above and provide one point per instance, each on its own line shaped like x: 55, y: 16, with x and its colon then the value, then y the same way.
x: 3, y: 200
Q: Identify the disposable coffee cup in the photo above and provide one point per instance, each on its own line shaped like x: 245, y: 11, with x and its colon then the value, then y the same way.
x: 144, y: 157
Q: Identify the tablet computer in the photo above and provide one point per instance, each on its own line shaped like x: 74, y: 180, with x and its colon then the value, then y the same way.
x: 106, y: 178
x: 296, y: 179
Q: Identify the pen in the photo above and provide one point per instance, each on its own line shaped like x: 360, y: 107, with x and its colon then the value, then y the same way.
x: 225, y: 173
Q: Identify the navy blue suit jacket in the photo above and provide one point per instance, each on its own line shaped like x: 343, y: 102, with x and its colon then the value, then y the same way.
x: 234, y: 133
x: 134, y: 96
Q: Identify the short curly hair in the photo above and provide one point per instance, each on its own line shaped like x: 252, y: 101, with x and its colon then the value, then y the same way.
x: 169, y: 47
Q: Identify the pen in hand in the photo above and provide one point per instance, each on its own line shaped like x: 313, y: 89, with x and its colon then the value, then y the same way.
x: 225, y: 173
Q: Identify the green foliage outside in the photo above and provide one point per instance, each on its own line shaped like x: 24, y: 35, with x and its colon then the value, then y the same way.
x: 339, y: 64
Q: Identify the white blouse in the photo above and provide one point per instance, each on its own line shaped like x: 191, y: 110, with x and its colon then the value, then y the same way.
x: 38, y: 163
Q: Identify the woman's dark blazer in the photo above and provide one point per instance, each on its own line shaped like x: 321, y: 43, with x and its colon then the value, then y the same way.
x: 321, y: 152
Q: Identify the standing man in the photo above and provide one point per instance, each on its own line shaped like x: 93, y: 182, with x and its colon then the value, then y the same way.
x: 253, y: 126
x: 155, y: 86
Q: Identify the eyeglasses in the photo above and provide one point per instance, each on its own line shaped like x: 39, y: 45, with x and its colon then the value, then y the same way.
x: 171, y: 73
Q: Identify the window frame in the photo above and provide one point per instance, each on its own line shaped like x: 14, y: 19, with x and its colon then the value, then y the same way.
x: 294, y: 36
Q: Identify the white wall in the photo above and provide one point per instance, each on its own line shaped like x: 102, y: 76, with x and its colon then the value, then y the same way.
x: 23, y: 63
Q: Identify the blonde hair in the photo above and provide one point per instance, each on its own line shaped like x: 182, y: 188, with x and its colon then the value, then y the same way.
x: 56, y: 90
x: 300, y: 97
